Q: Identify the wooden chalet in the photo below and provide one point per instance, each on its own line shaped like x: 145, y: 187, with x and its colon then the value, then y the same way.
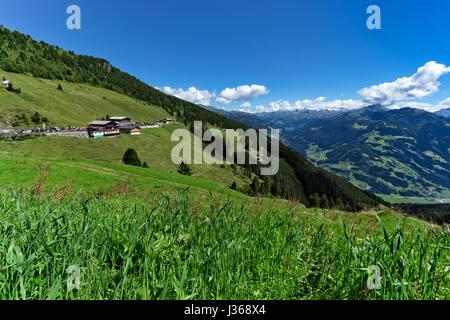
x: 100, y: 128
x: 131, y: 130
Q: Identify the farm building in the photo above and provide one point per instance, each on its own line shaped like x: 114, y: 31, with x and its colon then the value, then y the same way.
x: 121, y: 121
x: 168, y: 120
x: 130, y: 130
x: 6, y: 83
x: 100, y: 128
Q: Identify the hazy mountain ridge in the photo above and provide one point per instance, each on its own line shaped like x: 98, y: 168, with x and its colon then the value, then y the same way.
x: 444, y: 113
x: 401, y: 152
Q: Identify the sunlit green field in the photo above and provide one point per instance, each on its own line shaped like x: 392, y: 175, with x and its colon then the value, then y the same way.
x: 184, y: 245
x: 140, y: 233
x: 75, y: 105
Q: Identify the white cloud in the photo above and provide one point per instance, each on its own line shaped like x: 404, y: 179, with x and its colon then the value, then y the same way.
x: 398, y: 94
x: 421, y: 84
x: 393, y: 95
x: 319, y: 103
x: 192, y: 95
x: 246, y: 105
x: 422, y: 105
x: 246, y: 92
x: 445, y: 103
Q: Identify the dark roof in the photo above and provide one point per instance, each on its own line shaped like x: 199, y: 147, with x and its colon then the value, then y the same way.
x: 128, y: 127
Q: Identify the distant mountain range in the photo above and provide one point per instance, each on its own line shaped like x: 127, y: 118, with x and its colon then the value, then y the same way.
x: 444, y: 113
x: 395, y: 153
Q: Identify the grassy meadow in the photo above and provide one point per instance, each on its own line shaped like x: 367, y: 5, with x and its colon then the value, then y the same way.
x: 75, y: 105
x: 140, y: 233
x: 184, y: 245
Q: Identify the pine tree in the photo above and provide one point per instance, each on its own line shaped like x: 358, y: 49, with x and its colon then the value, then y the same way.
x: 131, y: 158
x: 36, y: 118
x: 184, y: 169
x: 145, y: 165
x: 255, y: 185
x: 275, y: 189
x: 233, y: 186
x: 340, y: 204
x: 265, y: 188
x: 348, y: 207
x: 316, y: 201
x: 60, y: 88
x: 324, y: 202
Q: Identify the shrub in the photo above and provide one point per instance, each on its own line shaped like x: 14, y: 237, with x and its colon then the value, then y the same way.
x: 184, y: 169
x: 36, y: 118
x: 13, y: 89
x: 131, y: 158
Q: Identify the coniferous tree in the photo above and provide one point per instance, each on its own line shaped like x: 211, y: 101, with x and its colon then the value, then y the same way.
x: 255, y: 185
x: 184, y: 169
x: 340, y: 204
x: 324, y: 202
x: 316, y: 201
x: 131, y: 158
x: 36, y: 118
x: 275, y: 189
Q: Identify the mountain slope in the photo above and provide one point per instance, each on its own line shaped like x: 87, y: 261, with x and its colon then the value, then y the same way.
x: 249, y: 119
x: 297, y: 178
x: 400, y: 152
x: 444, y: 113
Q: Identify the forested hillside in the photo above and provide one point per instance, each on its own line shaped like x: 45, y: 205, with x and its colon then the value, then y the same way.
x: 301, y: 180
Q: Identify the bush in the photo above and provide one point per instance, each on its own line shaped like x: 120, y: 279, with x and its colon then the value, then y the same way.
x: 131, y: 158
x: 36, y: 118
x: 145, y: 165
x: 13, y: 89
x: 60, y: 87
x: 184, y: 169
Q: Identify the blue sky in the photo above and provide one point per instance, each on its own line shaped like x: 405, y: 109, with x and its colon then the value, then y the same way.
x: 268, y: 54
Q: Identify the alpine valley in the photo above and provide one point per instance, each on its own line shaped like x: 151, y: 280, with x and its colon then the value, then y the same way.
x: 402, y: 155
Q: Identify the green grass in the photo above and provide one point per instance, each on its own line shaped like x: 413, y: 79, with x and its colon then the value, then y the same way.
x: 179, y: 245
x: 399, y: 199
x: 92, y: 175
x: 139, y: 234
x: 153, y: 146
x: 76, y: 105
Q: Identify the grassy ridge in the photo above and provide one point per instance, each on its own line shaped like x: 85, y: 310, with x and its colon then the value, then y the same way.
x: 53, y: 172
x: 76, y: 105
x: 179, y: 246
